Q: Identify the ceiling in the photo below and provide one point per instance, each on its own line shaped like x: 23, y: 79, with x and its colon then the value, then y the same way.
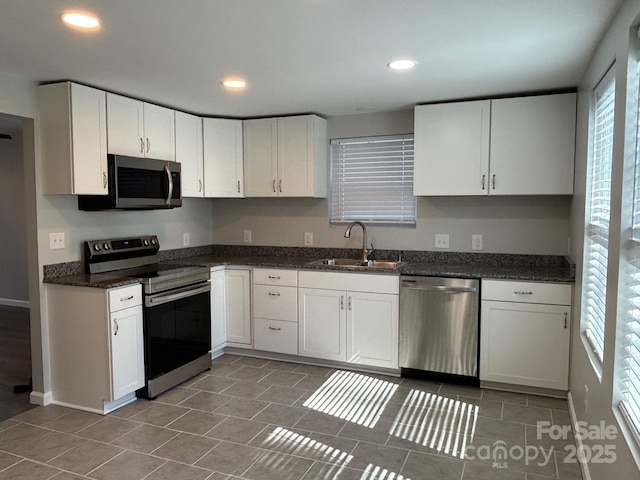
x: 299, y: 56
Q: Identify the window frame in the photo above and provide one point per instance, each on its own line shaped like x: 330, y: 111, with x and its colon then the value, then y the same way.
x: 340, y: 217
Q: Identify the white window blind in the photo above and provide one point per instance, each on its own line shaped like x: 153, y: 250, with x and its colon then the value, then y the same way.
x: 629, y: 369
x: 598, y: 206
x: 372, y: 180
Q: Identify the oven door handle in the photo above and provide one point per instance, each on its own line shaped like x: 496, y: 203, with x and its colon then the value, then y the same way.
x: 159, y: 299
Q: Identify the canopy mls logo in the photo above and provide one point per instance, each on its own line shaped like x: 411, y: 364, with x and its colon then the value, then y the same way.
x: 499, y: 454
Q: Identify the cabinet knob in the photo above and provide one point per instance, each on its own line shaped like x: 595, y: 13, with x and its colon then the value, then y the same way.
x: 274, y: 185
x: 124, y: 299
x: 341, y: 302
x: 493, y: 181
x: 141, y: 145
x: 104, y: 179
x: 274, y: 277
x: 565, y: 319
x: 238, y: 186
x: 117, y: 327
x: 276, y: 329
x: 274, y: 294
x: 199, y: 185
x: 349, y: 304
x: 148, y: 145
x: 522, y: 292
x: 280, y: 185
x: 483, y: 179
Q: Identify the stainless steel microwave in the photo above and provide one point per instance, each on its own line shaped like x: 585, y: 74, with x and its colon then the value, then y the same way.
x: 137, y: 184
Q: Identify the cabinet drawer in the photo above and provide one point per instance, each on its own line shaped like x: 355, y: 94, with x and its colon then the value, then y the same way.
x: 277, y: 303
x: 275, y: 336
x: 274, y: 276
x: 527, y: 292
x: 125, y: 297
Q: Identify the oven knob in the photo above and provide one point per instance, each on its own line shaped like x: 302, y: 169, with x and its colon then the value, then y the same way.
x: 146, y: 242
x: 96, y: 247
x: 153, y: 241
x: 106, y: 246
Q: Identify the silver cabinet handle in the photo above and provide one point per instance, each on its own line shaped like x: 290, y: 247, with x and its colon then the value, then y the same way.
x: 274, y: 277
x: 276, y: 329
x: 493, y: 181
x: 274, y: 185
x: 104, y: 179
x: 238, y: 186
x: 199, y: 185
x: 565, y: 319
x: 115, y: 320
x: 148, y: 145
x: 141, y: 145
x: 521, y: 292
x: 124, y: 299
x: 341, y: 302
x: 274, y: 294
x: 349, y: 304
x: 280, y: 185
x: 483, y: 179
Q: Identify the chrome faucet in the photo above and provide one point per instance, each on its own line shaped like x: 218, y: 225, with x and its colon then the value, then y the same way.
x: 347, y: 234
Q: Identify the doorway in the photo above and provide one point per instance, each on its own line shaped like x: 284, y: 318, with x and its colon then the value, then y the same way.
x: 15, y: 351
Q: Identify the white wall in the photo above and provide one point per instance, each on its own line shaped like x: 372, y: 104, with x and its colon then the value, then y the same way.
x: 527, y: 225
x: 597, y: 404
x: 14, y: 288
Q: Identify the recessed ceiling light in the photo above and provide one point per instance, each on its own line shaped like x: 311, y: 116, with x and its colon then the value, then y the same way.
x: 234, y: 83
x: 81, y: 20
x: 401, y: 64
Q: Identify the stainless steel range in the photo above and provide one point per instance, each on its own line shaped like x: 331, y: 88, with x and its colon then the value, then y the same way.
x: 177, y: 308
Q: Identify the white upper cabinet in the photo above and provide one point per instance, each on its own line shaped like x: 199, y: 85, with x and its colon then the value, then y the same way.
x: 285, y: 157
x: 222, y: 149
x: 510, y: 146
x: 451, y: 143
x: 189, y: 154
x: 140, y: 129
x: 532, y: 145
x: 74, y: 139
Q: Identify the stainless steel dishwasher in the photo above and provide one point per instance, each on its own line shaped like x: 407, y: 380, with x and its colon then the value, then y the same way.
x: 439, y: 328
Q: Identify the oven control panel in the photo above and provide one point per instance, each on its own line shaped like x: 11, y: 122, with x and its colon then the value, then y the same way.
x: 132, y: 244
x: 118, y: 253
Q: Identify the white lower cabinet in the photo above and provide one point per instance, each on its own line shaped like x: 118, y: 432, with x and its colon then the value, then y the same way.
x: 96, y: 346
x: 525, y: 333
x: 349, y: 317
x: 230, y: 308
x: 275, y: 310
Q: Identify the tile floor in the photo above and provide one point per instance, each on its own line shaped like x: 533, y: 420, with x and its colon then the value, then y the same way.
x: 261, y: 420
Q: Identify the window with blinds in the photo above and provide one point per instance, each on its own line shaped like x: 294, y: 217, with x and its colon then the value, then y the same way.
x: 372, y: 180
x: 628, y: 370
x: 598, y: 206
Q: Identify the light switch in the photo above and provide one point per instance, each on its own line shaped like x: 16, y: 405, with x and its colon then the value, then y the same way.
x: 442, y: 240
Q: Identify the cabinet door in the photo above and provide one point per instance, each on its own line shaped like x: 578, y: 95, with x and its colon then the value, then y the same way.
x: 295, y: 156
x: 452, y: 149
x: 127, y: 351
x: 260, y: 157
x: 189, y: 154
x: 89, y: 140
x: 125, y: 126
x: 532, y: 145
x: 159, y: 132
x: 238, y: 306
x: 372, y: 329
x: 322, y: 327
x: 218, y: 310
x: 525, y: 344
x: 222, y: 149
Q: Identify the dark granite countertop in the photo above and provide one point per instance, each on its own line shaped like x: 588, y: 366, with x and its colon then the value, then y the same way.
x: 549, y: 268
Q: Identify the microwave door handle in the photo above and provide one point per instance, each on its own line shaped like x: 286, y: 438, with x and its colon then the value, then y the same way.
x: 170, y: 194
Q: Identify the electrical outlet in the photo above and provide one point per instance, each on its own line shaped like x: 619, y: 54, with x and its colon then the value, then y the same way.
x: 247, y: 236
x: 186, y: 239
x: 442, y: 240
x: 308, y: 239
x: 476, y: 242
x: 56, y: 241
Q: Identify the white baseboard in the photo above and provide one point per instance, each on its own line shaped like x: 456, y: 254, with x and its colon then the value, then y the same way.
x: 584, y: 466
x: 39, y: 398
x: 8, y: 302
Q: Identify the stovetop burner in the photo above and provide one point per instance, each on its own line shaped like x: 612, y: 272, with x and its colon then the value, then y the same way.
x: 137, y: 258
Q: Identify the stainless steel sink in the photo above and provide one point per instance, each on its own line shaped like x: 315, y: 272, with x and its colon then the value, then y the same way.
x: 356, y: 264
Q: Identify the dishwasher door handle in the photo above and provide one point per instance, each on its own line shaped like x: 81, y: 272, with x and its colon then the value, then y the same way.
x: 438, y: 288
